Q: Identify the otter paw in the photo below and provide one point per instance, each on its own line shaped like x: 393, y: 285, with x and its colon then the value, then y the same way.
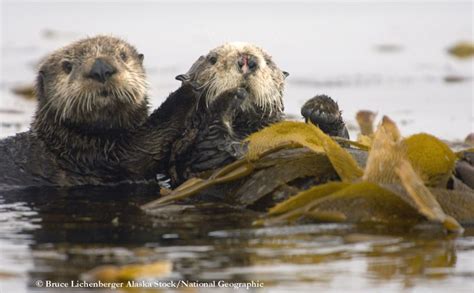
x: 241, y: 93
x: 233, y: 99
x: 324, y: 112
x: 228, y: 101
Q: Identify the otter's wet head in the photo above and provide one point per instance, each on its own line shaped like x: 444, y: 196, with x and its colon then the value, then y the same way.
x: 97, y: 81
x: 235, y: 65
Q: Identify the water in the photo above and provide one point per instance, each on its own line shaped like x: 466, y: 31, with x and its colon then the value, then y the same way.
x: 327, y: 48
x: 57, y: 235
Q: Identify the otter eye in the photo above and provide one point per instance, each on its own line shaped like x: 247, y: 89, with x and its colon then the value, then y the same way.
x: 141, y: 57
x: 67, y: 66
x: 123, y: 56
x: 212, y: 59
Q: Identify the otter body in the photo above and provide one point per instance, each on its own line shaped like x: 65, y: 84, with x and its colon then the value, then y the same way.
x: 92, y: 124
x: 239, y: 90
x: 27, y: 160
x: 91, y: 101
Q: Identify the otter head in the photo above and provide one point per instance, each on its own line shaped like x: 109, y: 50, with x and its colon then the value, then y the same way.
x: 95, y: 84
x: 235, y: 65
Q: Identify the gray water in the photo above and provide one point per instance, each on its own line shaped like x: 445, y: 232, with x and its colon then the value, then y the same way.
x: 335, y: 49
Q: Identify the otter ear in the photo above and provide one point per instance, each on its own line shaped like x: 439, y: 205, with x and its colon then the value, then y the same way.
x: 286, y: 73
x: 141, y: 57
x: 183, y: 77
x: 40, y: 85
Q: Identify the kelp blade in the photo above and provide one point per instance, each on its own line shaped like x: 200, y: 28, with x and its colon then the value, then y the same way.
x: 307, y: 135
x: 111, y: 273
x: 431, y: 158
x: 303, y: 198
x: 426, y: 203
x: 282, y: 133
x: 385, y: 154
x: 357, y: 202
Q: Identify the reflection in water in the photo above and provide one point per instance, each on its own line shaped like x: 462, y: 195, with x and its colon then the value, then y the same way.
x: 60, y: 234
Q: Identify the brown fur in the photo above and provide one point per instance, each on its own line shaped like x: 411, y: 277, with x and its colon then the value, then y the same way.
x: 230, y: 104
x: 217, y: 73
x: 74, y: 99
x: 82, y: 128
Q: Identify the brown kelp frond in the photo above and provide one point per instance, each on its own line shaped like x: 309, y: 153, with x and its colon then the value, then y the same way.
x: 358, y: 144
x: 285, y: 133
x: 285, y: 159
x: 305, y: 197
x: 431, y: 158
x: 130, y: 272
x: 366, y: 119
x: 385, y: 154
x: 344, y: 164
x: 356, y: 202
x: 389, y: 164
x: 193, y: 186
x: 425, y: 202
x: 307, y: 135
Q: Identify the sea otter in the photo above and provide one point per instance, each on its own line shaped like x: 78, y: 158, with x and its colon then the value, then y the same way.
x: 91, y: 125
x: 92, y: 96
x: 239, y: 90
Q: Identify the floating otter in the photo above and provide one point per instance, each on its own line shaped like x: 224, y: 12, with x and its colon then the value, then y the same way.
x: 92, y: 95
x: 239, y: 91
x: 91, y: 126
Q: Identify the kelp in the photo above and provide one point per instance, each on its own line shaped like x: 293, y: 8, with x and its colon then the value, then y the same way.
x: 261, y: 146
x: 388, y: 164
x: 280, y: 135
x: 130, y: 272
x: 192, y: 186
x: 306, y: 197
x: 386, y: 152
x: 274, y: 174
x: 462, y: 50
x: 373, y: 202
x: 365, y: 119
x: 310, y: 176
x: 290, y: 133
x: 433, y: 160
x: 425, y: 202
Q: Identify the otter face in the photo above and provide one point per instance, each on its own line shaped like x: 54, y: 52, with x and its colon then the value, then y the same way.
x: 239, y: 65
x: 98, y: 82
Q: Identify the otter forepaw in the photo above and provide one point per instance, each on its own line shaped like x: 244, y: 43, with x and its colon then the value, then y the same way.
x: 324, y: 112
x: 241, y: 93
x: 229, y: 101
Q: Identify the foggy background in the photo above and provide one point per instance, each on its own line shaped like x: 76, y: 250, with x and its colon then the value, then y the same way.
x: 387, y: 57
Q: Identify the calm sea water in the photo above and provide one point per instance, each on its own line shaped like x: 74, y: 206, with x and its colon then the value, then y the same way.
x: 335, y: 49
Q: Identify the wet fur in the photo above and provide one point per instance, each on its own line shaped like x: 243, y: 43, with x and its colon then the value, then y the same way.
x: 79, y: 135
x: 222, y: 117
x: 230, y: 106
x: 94, y: 141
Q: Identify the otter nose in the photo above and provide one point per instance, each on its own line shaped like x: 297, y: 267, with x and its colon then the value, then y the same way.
x: 101, y: 71
x: 247, y: 63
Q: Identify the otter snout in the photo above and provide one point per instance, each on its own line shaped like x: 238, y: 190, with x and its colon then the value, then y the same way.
x: 247, y: 63
x: 101, y: 71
